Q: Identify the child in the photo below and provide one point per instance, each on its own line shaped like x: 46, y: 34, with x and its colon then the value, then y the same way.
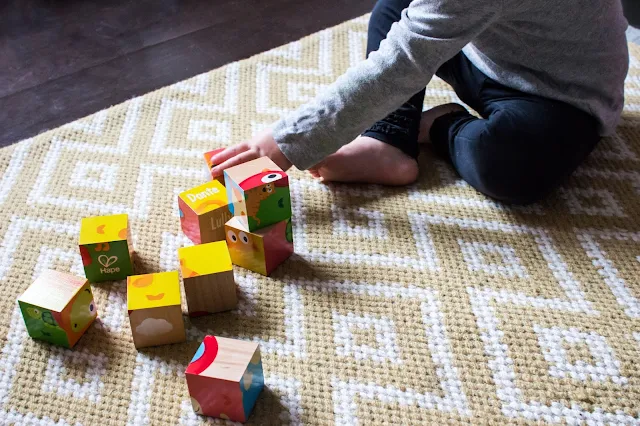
x: 546, y: 76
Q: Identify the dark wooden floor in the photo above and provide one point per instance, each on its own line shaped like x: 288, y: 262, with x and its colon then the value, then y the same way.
x: 64, y: 59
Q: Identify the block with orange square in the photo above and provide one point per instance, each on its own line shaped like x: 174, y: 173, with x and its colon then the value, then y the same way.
x: 210, y: 164
x: 203, y: 212
x: 105, y: 247
x: 154, y: 307
x: 208, y: 280
x: 225, y: 378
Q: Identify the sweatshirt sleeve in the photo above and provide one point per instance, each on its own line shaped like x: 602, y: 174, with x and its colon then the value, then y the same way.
x: 429, y: 33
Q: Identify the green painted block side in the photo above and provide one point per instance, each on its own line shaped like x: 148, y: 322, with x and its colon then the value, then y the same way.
x: 273, y: 209
x: 42, y: 324
x: 111, y: 265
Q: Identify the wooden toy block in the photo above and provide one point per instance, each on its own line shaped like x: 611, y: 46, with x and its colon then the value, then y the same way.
x: 258, y: 192
x: 105, y: 247
x: 203, y: 212
x: 207, y: 275
x: 211, y: 165
x: 260, y: 251
x: 225, y: 378
x: 155, y: 312
x: 58, y: 308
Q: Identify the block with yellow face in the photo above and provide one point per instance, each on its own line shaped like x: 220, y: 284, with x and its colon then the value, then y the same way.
x: 154, y: 306
x: 203, y: 212
x: 105, y: 247
x: 207, y: 274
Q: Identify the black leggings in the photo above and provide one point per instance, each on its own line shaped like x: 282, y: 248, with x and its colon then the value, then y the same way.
x: 523, y: 146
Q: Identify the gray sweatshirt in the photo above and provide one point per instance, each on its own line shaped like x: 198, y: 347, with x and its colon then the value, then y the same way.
x: 570, y: 50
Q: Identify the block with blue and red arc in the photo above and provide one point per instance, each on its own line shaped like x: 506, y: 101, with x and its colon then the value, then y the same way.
x: 225, y: 378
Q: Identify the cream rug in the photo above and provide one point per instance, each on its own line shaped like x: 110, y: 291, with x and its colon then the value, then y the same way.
x: 426, y: 304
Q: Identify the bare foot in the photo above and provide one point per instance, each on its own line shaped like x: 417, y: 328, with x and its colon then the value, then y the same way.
x: 367, y: 160
x: 430, y: 115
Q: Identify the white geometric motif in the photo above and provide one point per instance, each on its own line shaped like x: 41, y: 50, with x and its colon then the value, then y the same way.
x: 510, y: 267
x: 609, y: 206
x: 84, y: 176
x: 209, y: 130
x: 451, y: 397
x: 160, y: 139
x: 264, y: 71
x: 604, y: 365
x: 14, y: 168
x: 375, y: 227
x: 92, y: 387
x: 346, y: 328
x: 605, y: 266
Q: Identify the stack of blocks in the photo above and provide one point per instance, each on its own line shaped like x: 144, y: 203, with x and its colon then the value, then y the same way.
x: 58, y: 308
x: 248, y: 223
x: 155, y: 309
x: 260, y: 234
x: 225, y: 378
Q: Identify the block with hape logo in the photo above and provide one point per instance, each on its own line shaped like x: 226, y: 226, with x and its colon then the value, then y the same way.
x: 155, y: 311
x: 211, y: 165
x: 105, y: 247
x: 260, y: 251
x: 203, y: 212
x: 208, y: 280
x: 58, y: 308
x: 258, y: 192
x: 225, y: 378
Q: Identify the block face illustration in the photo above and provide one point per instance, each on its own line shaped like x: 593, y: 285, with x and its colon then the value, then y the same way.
x: 260, y: 251
x: 211, y: 165
x: 157, y: 326
x: 258, y: 193
x: 225, y: 378
x: 203, y: 212
x: 105, y: 247
x: 154, y: 307
x: 207, y: 274
x: 58, y: 308
x: 278, y: 242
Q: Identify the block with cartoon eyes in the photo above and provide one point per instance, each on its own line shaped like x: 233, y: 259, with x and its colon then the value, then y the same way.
x: 211, y: 165
x: 207, y: 274
x: 58, y: 308
x: 155, y: 311
x: 105, y: 247
x: 225, y: 378
x: 203, y: 212
x: 258, y: 193
x: 260, y: 251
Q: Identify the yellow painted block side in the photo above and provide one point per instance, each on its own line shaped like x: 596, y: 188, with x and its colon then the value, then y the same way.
x: 153, y: 290
x: 103, y: 229
x: 204, y: 259
x: 205, y: 198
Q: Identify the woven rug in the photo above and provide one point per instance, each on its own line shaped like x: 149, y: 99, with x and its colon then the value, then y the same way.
x: 426, y: 304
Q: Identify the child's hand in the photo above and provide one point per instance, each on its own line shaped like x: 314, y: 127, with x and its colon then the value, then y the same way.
x: 260, y: 145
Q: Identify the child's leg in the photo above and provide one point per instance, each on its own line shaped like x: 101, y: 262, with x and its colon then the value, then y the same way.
x: 524, y: 145
x: 400, y: 128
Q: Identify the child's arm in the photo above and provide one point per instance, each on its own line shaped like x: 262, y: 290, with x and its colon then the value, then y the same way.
x: 429, y: 33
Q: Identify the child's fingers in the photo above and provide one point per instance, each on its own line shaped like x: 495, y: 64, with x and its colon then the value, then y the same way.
x: 234, y: 161
x: 230, y: 152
